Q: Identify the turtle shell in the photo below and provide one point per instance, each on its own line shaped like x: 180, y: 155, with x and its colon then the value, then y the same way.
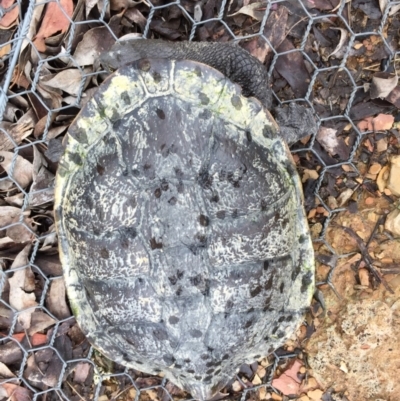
x: 182, y: 234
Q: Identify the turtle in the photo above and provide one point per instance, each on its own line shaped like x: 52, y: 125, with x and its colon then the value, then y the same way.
x: 179, y: 213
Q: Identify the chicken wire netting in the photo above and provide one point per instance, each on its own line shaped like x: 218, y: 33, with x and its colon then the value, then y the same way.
x: 322, y: 53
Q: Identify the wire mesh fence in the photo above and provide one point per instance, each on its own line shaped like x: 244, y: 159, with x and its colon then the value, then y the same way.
x: 322, y: 53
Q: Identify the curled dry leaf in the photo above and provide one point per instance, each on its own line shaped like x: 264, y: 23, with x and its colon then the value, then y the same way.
x: 343, y: 37
x: 382, y: 84
x: 22, y: 285
x: 254, y: 10
x: 56, y: 299
x: 117, y: 5
x: 22, y: 172
x: 41, y: 191
x: 13, y: 134
x: 331, y: 143
x: 16, y: 393
x: 382, y: 122
x: 5, y: 372
x: 69, y: 81
x: 94, y: 42
x: 55, y: 21
x: 10, y: 18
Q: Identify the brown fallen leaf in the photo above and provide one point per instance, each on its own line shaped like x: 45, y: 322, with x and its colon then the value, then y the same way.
x: 16, y: 393
x: 81, y: 372
x: 56, y: 299
x: 22, y: 285
x: 55, y: 21
x: 10, y: 18
x: 332, y: 143
x: 382, y: 84
x: 22, y: 172
x: 291, y: 67
x: 253, y: 10
x: 393, y: 182
x: 13, y: 134
x: 343, y: 38
x: 68, y: 81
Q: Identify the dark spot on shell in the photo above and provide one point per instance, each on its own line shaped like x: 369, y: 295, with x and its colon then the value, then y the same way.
x: 190, y: 371
x: 266, y: 264
x: 196, y: 280
x: 125, y: 172
x: 236, y: 102
x: 280, y: 334
x: 207, y: 379
x: 204, y: 220
x: 303, y: 238
x: 125, y: 97
x: 217, y: 372
x: 180, y: 274
x: 197, y: 377
x: 235, y: 214
x: 173, y: 280
x: 275, y: 329
x: 197, y: 71
x: 281, y: 319
x: 215, y: 198
x: 221, y: 214
x: 268, y: 132
x: 160, y: 334
x: 209, y: 371
x: 257, y: 356
x: 178, y: 292
x: 270, y: 349
x: 178, y: 366
x: 255, y: 291
x: 147, y: 166
x: 75, y: 158
x: 205, y: 180
x: 204, y: 357
x: 195, y: 333
x: 204, y: 99
x: 180, y: 187
x: 225, y: 357
x: 168, y: 359
x: 187, y: 360
x: 306, y: 281
x: 229, y: 305
x: 173, y: 319
x: 155, y: 245
x: 263, y: 205
x: 248, y: 324
x: 100, y: 169
x: 104, y: 253
x: 156, y: 77
x: 80, y: 136
x: 281, y: 287
x: 172, y: 201
x: 249, y: 136
x: 144, y: 64
x: 250, y: 310
x: 139, y: 362
x: 157, y: 193
x: 289, y: 318
x: 160, y: 114
x: 268, y: 284
x: 178, y: 172
x: 164, y: 185
x: 205, y: 114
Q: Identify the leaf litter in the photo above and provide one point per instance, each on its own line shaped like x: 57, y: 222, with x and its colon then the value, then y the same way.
x: 64, y: 78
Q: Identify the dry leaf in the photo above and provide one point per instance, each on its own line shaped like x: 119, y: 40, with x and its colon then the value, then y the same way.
x: 9, y: 215
x: 5, y: 372
x: 13, y: 134
x: 41, y: 191
x: 382, y: 84
x: 22, y: 172
x: 394, y: 176
x: 54, y: 21
x: 254, y: 10
x: 81, y: 372
x: 343, y: 37
x: 56, y: 299
x: 94, y: 42
x: 22, y: 285
x: 288, y: 382
x: 331, y: 143
x: 69, y: 81
x: 10, y: 18
x: 16, y: 393
x: 117, y: 5
x: 392, y: 223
